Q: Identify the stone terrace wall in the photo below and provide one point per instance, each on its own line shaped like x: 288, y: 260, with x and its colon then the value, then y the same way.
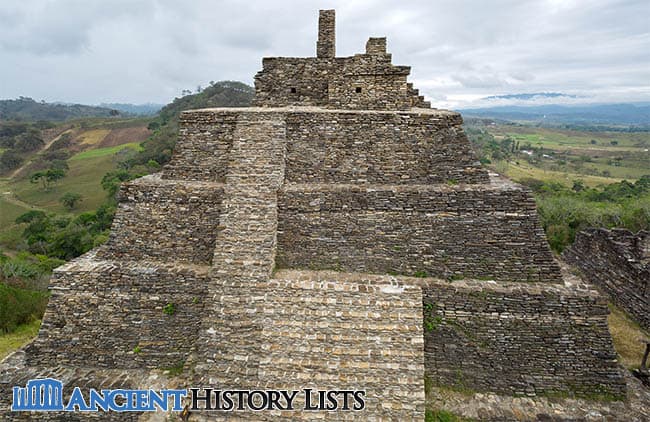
x: 521, y: 339
x: 337, y: 146
x: 160, y: 218
x: 616, y: 261
x: 100, y: 311
x: 488, y: 230
x: 204, y: 142
x: 379, y: 147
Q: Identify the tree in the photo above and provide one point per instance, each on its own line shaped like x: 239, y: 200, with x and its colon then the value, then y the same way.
x: 29, y: 141
x: 47, y: 177
x: 578, y: 185
x: 112, y: 180
x: 70, y: 199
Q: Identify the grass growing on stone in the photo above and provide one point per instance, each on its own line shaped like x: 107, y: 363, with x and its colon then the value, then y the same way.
x: 176, y: 369
x: 442, y: 416
x: 18, y: 338
x: 626, y: 335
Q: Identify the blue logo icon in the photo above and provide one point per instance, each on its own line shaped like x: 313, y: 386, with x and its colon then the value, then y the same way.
x: 39, y: 395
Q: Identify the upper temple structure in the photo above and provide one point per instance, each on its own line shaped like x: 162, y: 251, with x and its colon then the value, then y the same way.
x: 339, y: 235
x: 362, y: 82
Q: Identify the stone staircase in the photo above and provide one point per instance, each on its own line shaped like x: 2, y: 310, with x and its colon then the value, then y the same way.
x: 417, y: 100
x: 327, y: 330
x: 228, y: 348
x: 296, y: 330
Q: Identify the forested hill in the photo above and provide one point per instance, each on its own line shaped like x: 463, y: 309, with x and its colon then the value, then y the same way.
x: 219, y: 94
x: 26, y: 109
x: 158, y: 147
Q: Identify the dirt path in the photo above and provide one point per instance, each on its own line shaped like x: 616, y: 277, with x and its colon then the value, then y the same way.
x: 45, y: 148
x: 11, y: 197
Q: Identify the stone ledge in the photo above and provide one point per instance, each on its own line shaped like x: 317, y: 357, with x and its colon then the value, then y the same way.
x: 443, y: 114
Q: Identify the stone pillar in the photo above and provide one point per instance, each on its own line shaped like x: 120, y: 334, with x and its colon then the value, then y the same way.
x: 326, y: 45
x: 376, y: 46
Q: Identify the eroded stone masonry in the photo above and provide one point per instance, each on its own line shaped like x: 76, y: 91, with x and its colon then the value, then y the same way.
x: 618, y: 262
x: 340, y: 234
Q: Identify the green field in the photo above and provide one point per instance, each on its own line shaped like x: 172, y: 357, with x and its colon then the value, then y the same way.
x: 86, y: 170
x: 18, y: 338
x: 103, y: 152
x: 563, y: 156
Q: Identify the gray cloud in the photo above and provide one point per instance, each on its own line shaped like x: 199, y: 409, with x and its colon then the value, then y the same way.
x: 459, y: 50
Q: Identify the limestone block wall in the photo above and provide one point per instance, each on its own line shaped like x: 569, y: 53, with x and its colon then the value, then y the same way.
x: 360, y: 82
x: 337, y: 146
x: 486, y: 231
x: 201, y: 152
x: 618, y: 262
x: 160, y: 218
x: 380, y: 148
x: 520, y: 339
x: 100, y: 311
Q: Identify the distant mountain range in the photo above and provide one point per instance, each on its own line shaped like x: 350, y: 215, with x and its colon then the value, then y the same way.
x: 628, y: 114
x: 530, y: 96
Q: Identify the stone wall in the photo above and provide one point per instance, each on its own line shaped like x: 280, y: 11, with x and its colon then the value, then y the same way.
x: 100, y: 311
x: 201, y: 152
x: 415, y: 147
x: 162, y: 218
x: 326, y: 45
x: 379, y: 147
x: 519, y: 339
x: 618, y: 262
x: 486, y: 231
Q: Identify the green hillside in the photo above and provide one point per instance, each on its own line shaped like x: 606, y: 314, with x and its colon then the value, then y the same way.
x: 159, y: 146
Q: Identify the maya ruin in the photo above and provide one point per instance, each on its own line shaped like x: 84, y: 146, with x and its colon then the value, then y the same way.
x: 339, y: 234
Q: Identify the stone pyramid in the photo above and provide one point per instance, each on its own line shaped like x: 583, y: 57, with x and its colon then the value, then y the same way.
x: 340, y: 234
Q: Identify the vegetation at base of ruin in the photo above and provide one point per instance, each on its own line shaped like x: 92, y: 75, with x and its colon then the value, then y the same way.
x: 566, y: 211
x: 420, y: 274
x: 431, y: 321
x: 19, y: 306
x: 428, y: 384
x: 626, y: 335
x: 18, y: 338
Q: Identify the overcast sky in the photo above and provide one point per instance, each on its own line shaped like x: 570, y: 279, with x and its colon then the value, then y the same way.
x: 150, y: 50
